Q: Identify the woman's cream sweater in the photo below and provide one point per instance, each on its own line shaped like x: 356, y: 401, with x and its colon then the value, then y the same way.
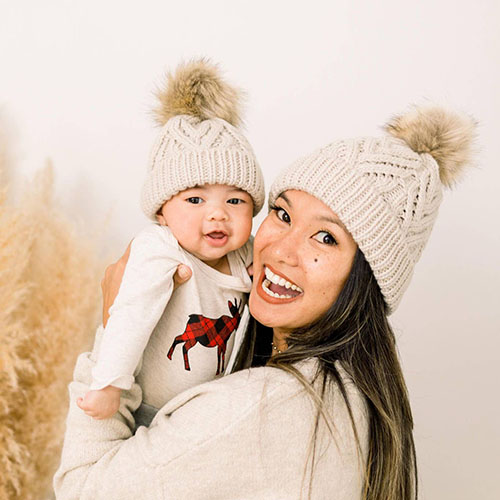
x: 245, y: 436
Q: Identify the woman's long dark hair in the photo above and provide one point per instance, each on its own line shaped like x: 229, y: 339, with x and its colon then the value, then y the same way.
x: 355, y: 332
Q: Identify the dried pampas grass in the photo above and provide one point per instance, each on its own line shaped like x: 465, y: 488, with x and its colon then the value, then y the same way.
x: 49, y: 306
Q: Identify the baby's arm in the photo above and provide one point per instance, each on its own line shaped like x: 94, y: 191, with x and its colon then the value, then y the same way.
x: 245, y: 253
x: 145, y: 290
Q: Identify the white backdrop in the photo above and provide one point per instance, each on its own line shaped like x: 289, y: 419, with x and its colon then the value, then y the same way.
x: 76, y: 86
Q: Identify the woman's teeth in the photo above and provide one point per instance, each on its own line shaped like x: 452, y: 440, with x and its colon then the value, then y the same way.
x: 281, y: 282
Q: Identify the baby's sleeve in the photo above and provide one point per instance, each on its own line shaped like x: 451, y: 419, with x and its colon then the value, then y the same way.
x: 246, y: 252
x: 145, y: 290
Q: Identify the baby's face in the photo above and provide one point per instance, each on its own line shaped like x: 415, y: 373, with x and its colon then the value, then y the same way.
x: 209, y: 221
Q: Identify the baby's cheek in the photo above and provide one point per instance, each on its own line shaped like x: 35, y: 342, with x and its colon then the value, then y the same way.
x: 247, y: 228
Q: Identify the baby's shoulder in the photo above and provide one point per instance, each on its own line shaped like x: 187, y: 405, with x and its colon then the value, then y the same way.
x: 156, y: 234
x: 245, y: 253
x: 155, y: 241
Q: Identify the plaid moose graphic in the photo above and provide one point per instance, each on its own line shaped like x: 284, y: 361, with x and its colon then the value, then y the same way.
x: 209, y: 333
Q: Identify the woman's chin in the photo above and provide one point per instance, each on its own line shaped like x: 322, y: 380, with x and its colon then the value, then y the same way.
x: 267, y: 313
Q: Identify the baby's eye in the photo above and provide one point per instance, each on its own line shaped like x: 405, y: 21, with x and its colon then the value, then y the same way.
x: 325, y: 237
x: 235, y: 201
x: 282, y: 214
x: 195, y: 200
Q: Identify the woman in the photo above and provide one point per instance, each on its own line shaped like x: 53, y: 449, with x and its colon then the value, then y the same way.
x: 328, y: 415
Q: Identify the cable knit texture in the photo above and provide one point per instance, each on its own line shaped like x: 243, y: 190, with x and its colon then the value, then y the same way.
x: 386, y: 194
x: 196, y: 144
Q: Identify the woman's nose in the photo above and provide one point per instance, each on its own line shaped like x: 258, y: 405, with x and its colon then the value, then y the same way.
x: 287, y: 249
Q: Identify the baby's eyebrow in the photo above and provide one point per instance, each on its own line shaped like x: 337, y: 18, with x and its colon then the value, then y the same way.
x: 238, y: 191
x: 205, y: 187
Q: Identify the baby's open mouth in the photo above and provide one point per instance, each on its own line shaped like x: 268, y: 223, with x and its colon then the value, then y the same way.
x: 278, y: 286
x: 217, y: 235
x: 216, y: 238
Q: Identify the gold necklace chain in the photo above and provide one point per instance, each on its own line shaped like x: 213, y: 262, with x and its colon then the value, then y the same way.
x: 275, y: 348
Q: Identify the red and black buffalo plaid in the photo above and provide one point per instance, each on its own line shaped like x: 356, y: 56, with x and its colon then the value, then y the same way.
x: 209, y: 333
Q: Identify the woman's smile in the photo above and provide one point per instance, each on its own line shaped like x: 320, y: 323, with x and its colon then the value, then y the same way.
x: 276, y: 288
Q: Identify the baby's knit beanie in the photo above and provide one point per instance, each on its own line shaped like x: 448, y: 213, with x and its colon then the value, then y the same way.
x: 199, y: 142
x: 387, y: 190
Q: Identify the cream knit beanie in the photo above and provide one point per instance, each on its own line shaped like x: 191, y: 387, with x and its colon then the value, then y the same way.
x: 199, y: 142
x: 387, y: 190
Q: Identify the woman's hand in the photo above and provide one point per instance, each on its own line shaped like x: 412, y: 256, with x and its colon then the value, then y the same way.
x: 112, y: 280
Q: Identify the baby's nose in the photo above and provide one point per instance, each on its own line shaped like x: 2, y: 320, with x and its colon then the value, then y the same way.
x: 217, y: 214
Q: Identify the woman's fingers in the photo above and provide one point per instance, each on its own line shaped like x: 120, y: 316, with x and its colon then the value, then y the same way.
x: 113, y: 275
x: 182, y: 275
x: 111, y: 283
x: 112, y: 280
x: 116, y: 268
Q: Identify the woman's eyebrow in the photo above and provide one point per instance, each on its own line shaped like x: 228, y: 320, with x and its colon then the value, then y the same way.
x: 324, y: 218
x: 333, y: 220
x: 285, y: 197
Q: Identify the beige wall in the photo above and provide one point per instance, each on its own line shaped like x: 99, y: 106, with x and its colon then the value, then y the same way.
x: 76, y: 82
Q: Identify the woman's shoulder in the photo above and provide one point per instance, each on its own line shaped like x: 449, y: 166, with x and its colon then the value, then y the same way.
x: 266, y: 412
x: 255, y: 419
x: 240, y: 389
x: 238, y: 393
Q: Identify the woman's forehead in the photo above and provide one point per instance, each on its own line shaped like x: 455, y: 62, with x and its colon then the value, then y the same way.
x: 316, y: 209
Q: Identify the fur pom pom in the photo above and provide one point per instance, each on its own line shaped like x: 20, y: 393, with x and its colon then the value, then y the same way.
x: 197, y: 89
x: 447, y: 136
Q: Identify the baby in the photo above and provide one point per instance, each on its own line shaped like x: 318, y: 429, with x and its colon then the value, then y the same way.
x: 202, y: 190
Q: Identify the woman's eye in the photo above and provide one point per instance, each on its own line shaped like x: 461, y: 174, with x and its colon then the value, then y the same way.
x: 283, y: 215
x: 235, y: 201
x: 195, y: 200
x: 325, y: 237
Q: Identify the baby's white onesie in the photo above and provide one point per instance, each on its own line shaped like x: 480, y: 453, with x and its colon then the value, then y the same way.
x: 184, y: 338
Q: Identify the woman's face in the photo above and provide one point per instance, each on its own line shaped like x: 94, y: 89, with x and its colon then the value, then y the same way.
x: 302, y: 257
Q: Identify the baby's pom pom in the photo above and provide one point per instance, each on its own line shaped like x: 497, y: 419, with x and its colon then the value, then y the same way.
x: 446, y: 135
x: 197, y: 89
